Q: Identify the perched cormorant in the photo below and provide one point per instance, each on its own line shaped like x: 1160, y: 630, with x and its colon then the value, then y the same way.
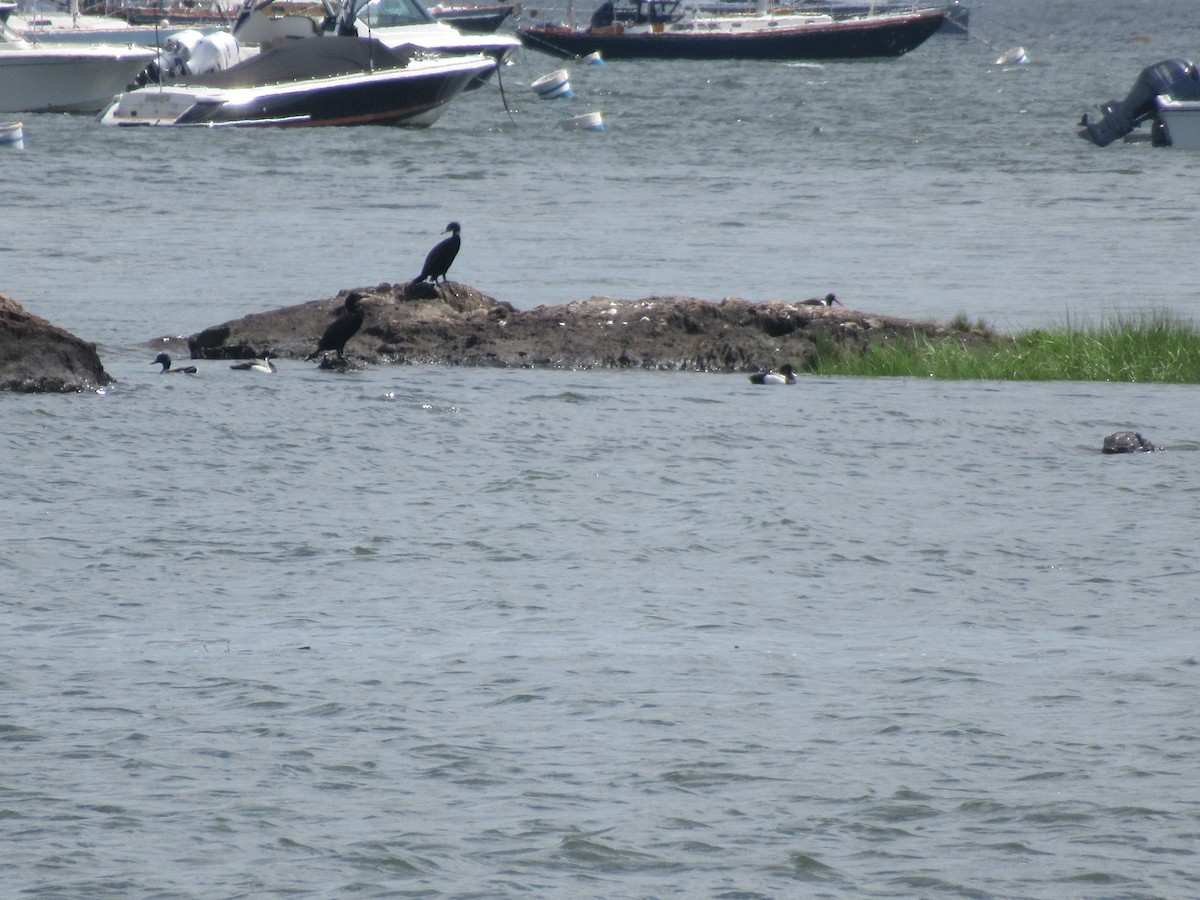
x: 256, y: 365
x: 341, y: 330
x: 165, y: 361
x: 786, y: 375
x: 827, y: 300
x: 437, y: 263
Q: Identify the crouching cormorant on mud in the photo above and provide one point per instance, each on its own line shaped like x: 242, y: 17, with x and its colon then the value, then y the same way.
x: 341, y: 329
x: 438, y: 262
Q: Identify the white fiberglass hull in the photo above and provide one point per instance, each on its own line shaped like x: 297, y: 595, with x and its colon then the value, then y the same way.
x: 1181, y: 121
x: 67, y: 79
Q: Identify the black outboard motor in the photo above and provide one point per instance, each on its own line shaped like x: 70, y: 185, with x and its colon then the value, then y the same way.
x: 1116, y: 118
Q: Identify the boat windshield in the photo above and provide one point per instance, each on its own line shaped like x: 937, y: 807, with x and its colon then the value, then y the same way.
x: 383, y: 13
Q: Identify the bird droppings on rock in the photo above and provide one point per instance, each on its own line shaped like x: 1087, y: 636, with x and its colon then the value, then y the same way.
x: 454, y: 324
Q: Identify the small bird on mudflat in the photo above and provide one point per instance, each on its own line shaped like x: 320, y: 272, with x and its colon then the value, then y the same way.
x: 165, y: 361
x: 785, y: 375
x: 255, y: 365
x: 827, y: 300
x: 438, y: 262
x: 341, y: 329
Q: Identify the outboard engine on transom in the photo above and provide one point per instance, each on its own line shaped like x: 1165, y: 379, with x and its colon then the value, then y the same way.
x: 1177, y: 78
x: 192, y: 53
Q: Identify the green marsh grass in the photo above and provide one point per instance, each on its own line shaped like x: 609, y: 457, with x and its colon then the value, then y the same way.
x: 1151, y: 347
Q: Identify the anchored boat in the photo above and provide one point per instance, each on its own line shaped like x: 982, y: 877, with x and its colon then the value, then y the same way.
x: 327, y: 81
x: 666, y: 29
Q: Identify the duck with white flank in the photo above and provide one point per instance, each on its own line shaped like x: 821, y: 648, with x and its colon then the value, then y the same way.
x: 827, y: 300
x: 341, y: 330
x: 165, y: 361
x: 785, y: 375
x: 255, y: 365
x: 438, y: 262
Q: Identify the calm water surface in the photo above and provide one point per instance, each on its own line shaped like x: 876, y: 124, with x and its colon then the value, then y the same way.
x: 432, y: 632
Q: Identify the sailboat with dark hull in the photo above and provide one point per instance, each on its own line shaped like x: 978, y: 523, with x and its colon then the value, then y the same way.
x: 665, y: 29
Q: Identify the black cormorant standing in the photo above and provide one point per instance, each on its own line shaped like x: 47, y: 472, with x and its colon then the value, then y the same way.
x: 165, y: 361
x: 341, y: 330
x: 437, y: 263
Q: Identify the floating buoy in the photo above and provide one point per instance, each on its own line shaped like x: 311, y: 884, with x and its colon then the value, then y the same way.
x: 591, y: 121
x: 1014, y: 57
x: 592, y: 59
x: 12, y: 134
x: 551, y: 87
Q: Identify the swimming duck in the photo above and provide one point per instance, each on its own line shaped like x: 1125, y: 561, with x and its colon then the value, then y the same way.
x: 165, y: 361
x: 256, y: 365
x: 785, y: 375
x: 827, y: 300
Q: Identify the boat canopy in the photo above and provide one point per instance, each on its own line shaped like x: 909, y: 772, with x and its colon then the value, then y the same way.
x: 304, y: 60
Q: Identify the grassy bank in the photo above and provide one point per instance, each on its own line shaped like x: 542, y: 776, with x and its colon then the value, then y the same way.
x: 1155, y: 347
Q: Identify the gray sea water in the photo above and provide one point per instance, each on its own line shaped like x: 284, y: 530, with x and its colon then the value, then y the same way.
x: 435, y: 632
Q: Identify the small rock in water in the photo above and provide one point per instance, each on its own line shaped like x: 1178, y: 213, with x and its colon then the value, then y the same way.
x: 334, y: 363
x: 1127, y: 442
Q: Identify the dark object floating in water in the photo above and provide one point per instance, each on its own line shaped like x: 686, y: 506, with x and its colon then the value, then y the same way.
x: 165, y: 361
x: 785, y: 375
x: 441, y: 257
x: 1127, y: 442
x: 1175, y: 78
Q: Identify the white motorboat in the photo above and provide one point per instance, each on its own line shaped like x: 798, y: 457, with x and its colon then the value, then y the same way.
x: 43, y: 77
x: 394, y: 22
x: 331, y: 81
x: 12, y: 134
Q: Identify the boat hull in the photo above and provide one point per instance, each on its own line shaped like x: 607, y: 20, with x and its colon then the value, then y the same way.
x: 1180, y: 121
x: 62, y: 79
x: 478, y: 20
x: 414, y: 95
x: 879, y: 36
